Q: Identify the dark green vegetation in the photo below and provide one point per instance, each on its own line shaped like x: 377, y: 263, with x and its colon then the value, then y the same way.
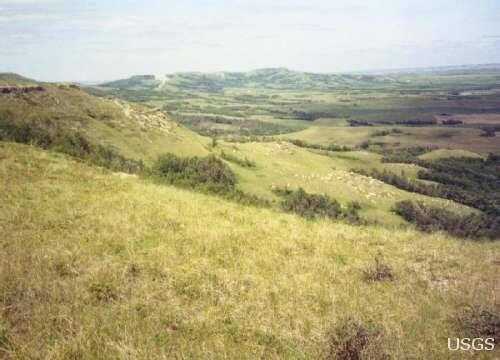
x: 316, y: 205
x: 191, y: 172
x: 206, y: 174
x: 48, y: 135
x: 472, y: 226
x: 471, y: 181
x: 330, y: 147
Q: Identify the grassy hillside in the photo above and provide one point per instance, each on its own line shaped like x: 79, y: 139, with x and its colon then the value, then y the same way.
x: 286, y: 165
x: 135, y: 131
x: 10, y: 79
x: 100, y: 265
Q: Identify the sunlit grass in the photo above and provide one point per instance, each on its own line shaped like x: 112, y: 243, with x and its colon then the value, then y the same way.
x: 103, y: 265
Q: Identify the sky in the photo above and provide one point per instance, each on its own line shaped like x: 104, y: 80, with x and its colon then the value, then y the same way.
x: 97, y: 40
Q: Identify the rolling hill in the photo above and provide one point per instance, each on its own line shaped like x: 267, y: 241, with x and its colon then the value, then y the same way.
x: 285, y: 79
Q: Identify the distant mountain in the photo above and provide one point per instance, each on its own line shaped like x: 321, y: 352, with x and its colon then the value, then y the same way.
x: 285, y: 79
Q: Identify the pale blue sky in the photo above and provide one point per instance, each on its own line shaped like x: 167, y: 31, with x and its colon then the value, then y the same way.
x: 109, y: 39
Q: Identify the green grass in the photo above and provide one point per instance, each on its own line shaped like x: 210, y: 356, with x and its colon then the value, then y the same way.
x: 444, y: 153
x: 101, y: 265
x: 135, y: 131
x: 286, y: 165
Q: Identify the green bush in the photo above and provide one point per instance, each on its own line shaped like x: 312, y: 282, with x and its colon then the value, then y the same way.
x: 429, y: 219
x: 313, y: 206
x: 46, y: 135
x: 209, y: 172
x: 331, y: 147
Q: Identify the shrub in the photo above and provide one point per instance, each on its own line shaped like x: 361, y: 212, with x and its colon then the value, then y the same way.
x: 356, y: 123
x: 206, y: 174
x: 103, y: 291
x: 479, y: 321
x: 488, y: 132
x: 474, y: 226
x: 379, y: 271
x: 313, y: 206
x: 452, y: 122
x: 330, y: 147
x: 470, y: 181
x: 353, y: 340
x: 48, y: 136
x: 400, y: 181
x: 403, y: 155
x: 194, y: 171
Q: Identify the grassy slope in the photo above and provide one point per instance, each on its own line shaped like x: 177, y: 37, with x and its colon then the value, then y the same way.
x: 443, y: 153
x: 135, y: 131
x: 96, y: 265
x: 283, y: 164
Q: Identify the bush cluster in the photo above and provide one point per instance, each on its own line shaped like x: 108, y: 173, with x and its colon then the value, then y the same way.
x: 313, y: 206
x: 417, y: 122
x: 208, y: 171
x: 429, y: 219
x: 402, y: 155
x: 469, y: 181
x: 400, y: 182
x: 331, y: 147
x: 73, y: 143
x: 206, y: 174
x: 356, y: 123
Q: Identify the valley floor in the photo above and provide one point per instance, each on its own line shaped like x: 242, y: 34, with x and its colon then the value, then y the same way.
x: 97, y: 264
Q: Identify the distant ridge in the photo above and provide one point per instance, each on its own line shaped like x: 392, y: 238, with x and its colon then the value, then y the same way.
x: 10, y: 79
x: 283, y: 78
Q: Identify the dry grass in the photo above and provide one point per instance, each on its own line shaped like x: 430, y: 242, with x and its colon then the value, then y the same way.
x: 95, y: 265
